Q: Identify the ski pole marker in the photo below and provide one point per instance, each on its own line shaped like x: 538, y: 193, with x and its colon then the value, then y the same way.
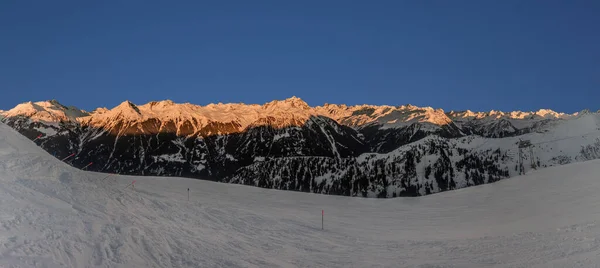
x: 106, y: 177
x: 132, y: 184
x: 39, y: 136
x: 87, y: 165
x: 68, y: 157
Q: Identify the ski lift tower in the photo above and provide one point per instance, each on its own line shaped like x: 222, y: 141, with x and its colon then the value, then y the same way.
x: 524, y: 145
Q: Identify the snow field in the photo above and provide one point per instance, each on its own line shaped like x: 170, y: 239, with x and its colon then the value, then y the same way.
x: 52, y: 215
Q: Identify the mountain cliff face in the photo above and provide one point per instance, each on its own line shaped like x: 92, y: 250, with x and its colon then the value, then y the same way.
x: 364, y: 150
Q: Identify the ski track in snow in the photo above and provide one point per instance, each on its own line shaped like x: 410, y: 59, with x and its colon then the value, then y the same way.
x: 52, y: 215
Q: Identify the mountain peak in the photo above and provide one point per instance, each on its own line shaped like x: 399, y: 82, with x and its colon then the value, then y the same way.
x: 128, y: 108
x: 297, y: 102
x: 51, y: 111
x: 584, y: 111
x: 520, y: 115
x: 293, y: 102
x: 100, y: 110
x: 163, y: 103
x: 55, y: 102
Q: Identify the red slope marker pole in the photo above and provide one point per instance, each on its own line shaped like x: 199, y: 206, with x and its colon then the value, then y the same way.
x: 106, y: 177
x: 39, y: 136
x: 68, y: 157
x: 132, y: 184
x: 322, y: 218
x: 188, y: 194
x: 112, y: 174
x: 87, y: 165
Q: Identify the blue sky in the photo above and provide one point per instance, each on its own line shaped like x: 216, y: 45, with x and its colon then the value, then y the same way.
x: 455, y: 55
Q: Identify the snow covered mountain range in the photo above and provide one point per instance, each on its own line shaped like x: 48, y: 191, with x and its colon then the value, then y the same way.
x: 363, y: 150
x: 53, y: 215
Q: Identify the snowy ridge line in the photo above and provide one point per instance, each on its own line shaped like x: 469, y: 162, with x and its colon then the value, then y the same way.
x: 567, y: 138
x: 541, y: 142
x: 289, y: 110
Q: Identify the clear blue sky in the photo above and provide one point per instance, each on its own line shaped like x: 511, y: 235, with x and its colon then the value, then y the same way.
x: 455, y: 55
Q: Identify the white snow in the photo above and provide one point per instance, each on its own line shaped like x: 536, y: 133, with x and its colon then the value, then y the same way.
x: 46, y: 111
x: 46, y: 130
x: 387, y: 116
x: 565, y: 137
x: 170, y: 158
x: 540, y: 114
x: 52, y: 215
x: 281, y: 136
x: 566, y: 141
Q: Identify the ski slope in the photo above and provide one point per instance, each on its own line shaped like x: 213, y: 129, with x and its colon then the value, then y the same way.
x: 52, y: 215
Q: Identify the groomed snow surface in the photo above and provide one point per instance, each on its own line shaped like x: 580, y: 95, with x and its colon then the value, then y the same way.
x: 52, y: 215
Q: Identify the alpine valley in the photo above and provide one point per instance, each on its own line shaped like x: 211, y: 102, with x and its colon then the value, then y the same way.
x: 363, y: 150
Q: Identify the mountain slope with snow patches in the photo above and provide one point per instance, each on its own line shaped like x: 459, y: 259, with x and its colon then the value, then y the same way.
x: 362, y: 150
x: 53, y: 215
x: 432, y: 164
